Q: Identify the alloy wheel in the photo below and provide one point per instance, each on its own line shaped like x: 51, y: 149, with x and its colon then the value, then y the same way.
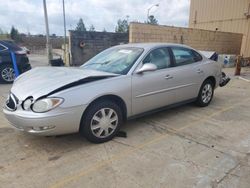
x: 207, y: 93
x: 8, y: 74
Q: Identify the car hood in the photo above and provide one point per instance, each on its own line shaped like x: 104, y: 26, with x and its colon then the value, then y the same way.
x: 42, y: 81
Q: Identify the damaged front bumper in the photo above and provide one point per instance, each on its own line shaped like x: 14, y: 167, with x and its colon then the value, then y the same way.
x: 224, y: 79
x: 55, y: 122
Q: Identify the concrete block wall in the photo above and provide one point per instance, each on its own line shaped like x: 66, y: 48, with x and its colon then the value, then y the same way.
x: 38, y: 43
x: 221, y: 42
x: 94, y: 42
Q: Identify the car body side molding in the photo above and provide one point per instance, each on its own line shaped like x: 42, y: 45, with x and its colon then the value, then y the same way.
x: 164, y: 90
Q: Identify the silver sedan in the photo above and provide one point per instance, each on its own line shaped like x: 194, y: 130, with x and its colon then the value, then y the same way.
x: 120, y: 83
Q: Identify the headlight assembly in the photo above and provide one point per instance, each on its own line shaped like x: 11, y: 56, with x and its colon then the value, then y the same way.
x: 46, y: 104
x: 27, y: 103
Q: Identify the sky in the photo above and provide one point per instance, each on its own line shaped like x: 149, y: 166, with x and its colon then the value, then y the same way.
x: 28, y: 16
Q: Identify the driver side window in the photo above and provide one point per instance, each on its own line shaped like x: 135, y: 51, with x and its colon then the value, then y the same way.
x: 159, y: 57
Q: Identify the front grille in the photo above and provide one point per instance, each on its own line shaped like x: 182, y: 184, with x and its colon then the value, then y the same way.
x: 11, y: 102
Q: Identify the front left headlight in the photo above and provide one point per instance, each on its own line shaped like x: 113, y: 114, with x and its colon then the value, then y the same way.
x: 46, y: 104
x: 27, y: 103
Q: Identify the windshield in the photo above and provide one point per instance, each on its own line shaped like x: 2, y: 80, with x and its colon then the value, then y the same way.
x: 114, y: 60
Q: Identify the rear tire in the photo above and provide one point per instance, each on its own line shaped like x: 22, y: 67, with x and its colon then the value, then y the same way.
x: 101, y: 122
x: 205, y: 94
x: 7, y: 73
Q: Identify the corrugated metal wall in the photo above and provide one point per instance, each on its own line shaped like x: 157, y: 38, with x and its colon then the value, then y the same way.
x: 223, y: 15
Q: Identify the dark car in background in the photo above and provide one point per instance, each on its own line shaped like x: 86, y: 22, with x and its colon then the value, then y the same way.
x: 7, y: 71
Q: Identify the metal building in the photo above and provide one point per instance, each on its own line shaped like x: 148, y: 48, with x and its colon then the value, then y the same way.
x: 223, y: 15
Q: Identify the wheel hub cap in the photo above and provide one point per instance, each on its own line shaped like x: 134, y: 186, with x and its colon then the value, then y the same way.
x: 207, y: 92
x: 104, y: 122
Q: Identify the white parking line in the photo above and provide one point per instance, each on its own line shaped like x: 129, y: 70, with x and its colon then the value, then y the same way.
x: 241, y: 78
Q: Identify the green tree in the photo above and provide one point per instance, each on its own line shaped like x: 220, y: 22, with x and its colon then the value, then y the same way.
x: 122, y: 26
x: 152, y: 20
x: 14, y: 34
x: 80, y: 25
x: 1, y: 31
x: 92, y: 28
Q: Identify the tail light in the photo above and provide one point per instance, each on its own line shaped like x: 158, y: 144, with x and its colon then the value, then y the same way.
x: 20, y: 52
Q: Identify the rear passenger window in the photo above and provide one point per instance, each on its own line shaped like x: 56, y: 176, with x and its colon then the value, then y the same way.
x: 1, y: 48
x: 185, y: 56
x: 160, y: 57
x: 198, y: 57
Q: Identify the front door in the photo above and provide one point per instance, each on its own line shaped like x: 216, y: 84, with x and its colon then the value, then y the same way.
x: 150, y: 90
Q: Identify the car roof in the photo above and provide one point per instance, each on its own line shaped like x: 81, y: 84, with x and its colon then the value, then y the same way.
x: 152, y: 45
x: 149, y: 46
x: 11, y: 45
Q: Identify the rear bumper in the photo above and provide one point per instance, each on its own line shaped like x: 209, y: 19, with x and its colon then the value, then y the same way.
x: 23, y: 63
x: 224, y: 80
x: 24, y: 67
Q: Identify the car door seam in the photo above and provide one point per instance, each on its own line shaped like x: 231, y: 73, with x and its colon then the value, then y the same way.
x: 163, y: 90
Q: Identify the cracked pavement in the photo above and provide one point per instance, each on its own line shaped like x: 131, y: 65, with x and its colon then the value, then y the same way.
x: 182, y: 147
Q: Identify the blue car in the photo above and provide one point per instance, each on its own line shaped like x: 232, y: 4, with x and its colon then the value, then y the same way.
x: 9, y: 69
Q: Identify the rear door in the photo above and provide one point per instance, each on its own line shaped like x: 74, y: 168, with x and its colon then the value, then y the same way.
x: 4, y: 54
x: 188, y: 73
x: 1, y: 53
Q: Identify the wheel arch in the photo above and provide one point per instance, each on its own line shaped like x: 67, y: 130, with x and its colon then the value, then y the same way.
x: 114, y: 98
x: 212, y: 79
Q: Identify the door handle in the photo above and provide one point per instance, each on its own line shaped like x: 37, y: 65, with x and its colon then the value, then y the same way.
x: 168, y: 77
x: 199, y: 71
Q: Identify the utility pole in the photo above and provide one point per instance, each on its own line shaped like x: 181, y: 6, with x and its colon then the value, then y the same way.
x: 64, y: 23
x: 48, y: 44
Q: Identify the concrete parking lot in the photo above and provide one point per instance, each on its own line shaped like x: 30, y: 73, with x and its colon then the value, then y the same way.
x: 186, y: 146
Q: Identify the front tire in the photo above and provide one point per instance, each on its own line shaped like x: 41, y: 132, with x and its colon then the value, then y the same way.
x: 7, y: 73
x: 101, y: 122
x: 205, y: 94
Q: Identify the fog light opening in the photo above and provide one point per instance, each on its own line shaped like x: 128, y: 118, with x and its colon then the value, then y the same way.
x: 43, y: 128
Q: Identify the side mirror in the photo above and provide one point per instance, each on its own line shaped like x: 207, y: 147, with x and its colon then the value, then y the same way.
x: 146, y: 68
